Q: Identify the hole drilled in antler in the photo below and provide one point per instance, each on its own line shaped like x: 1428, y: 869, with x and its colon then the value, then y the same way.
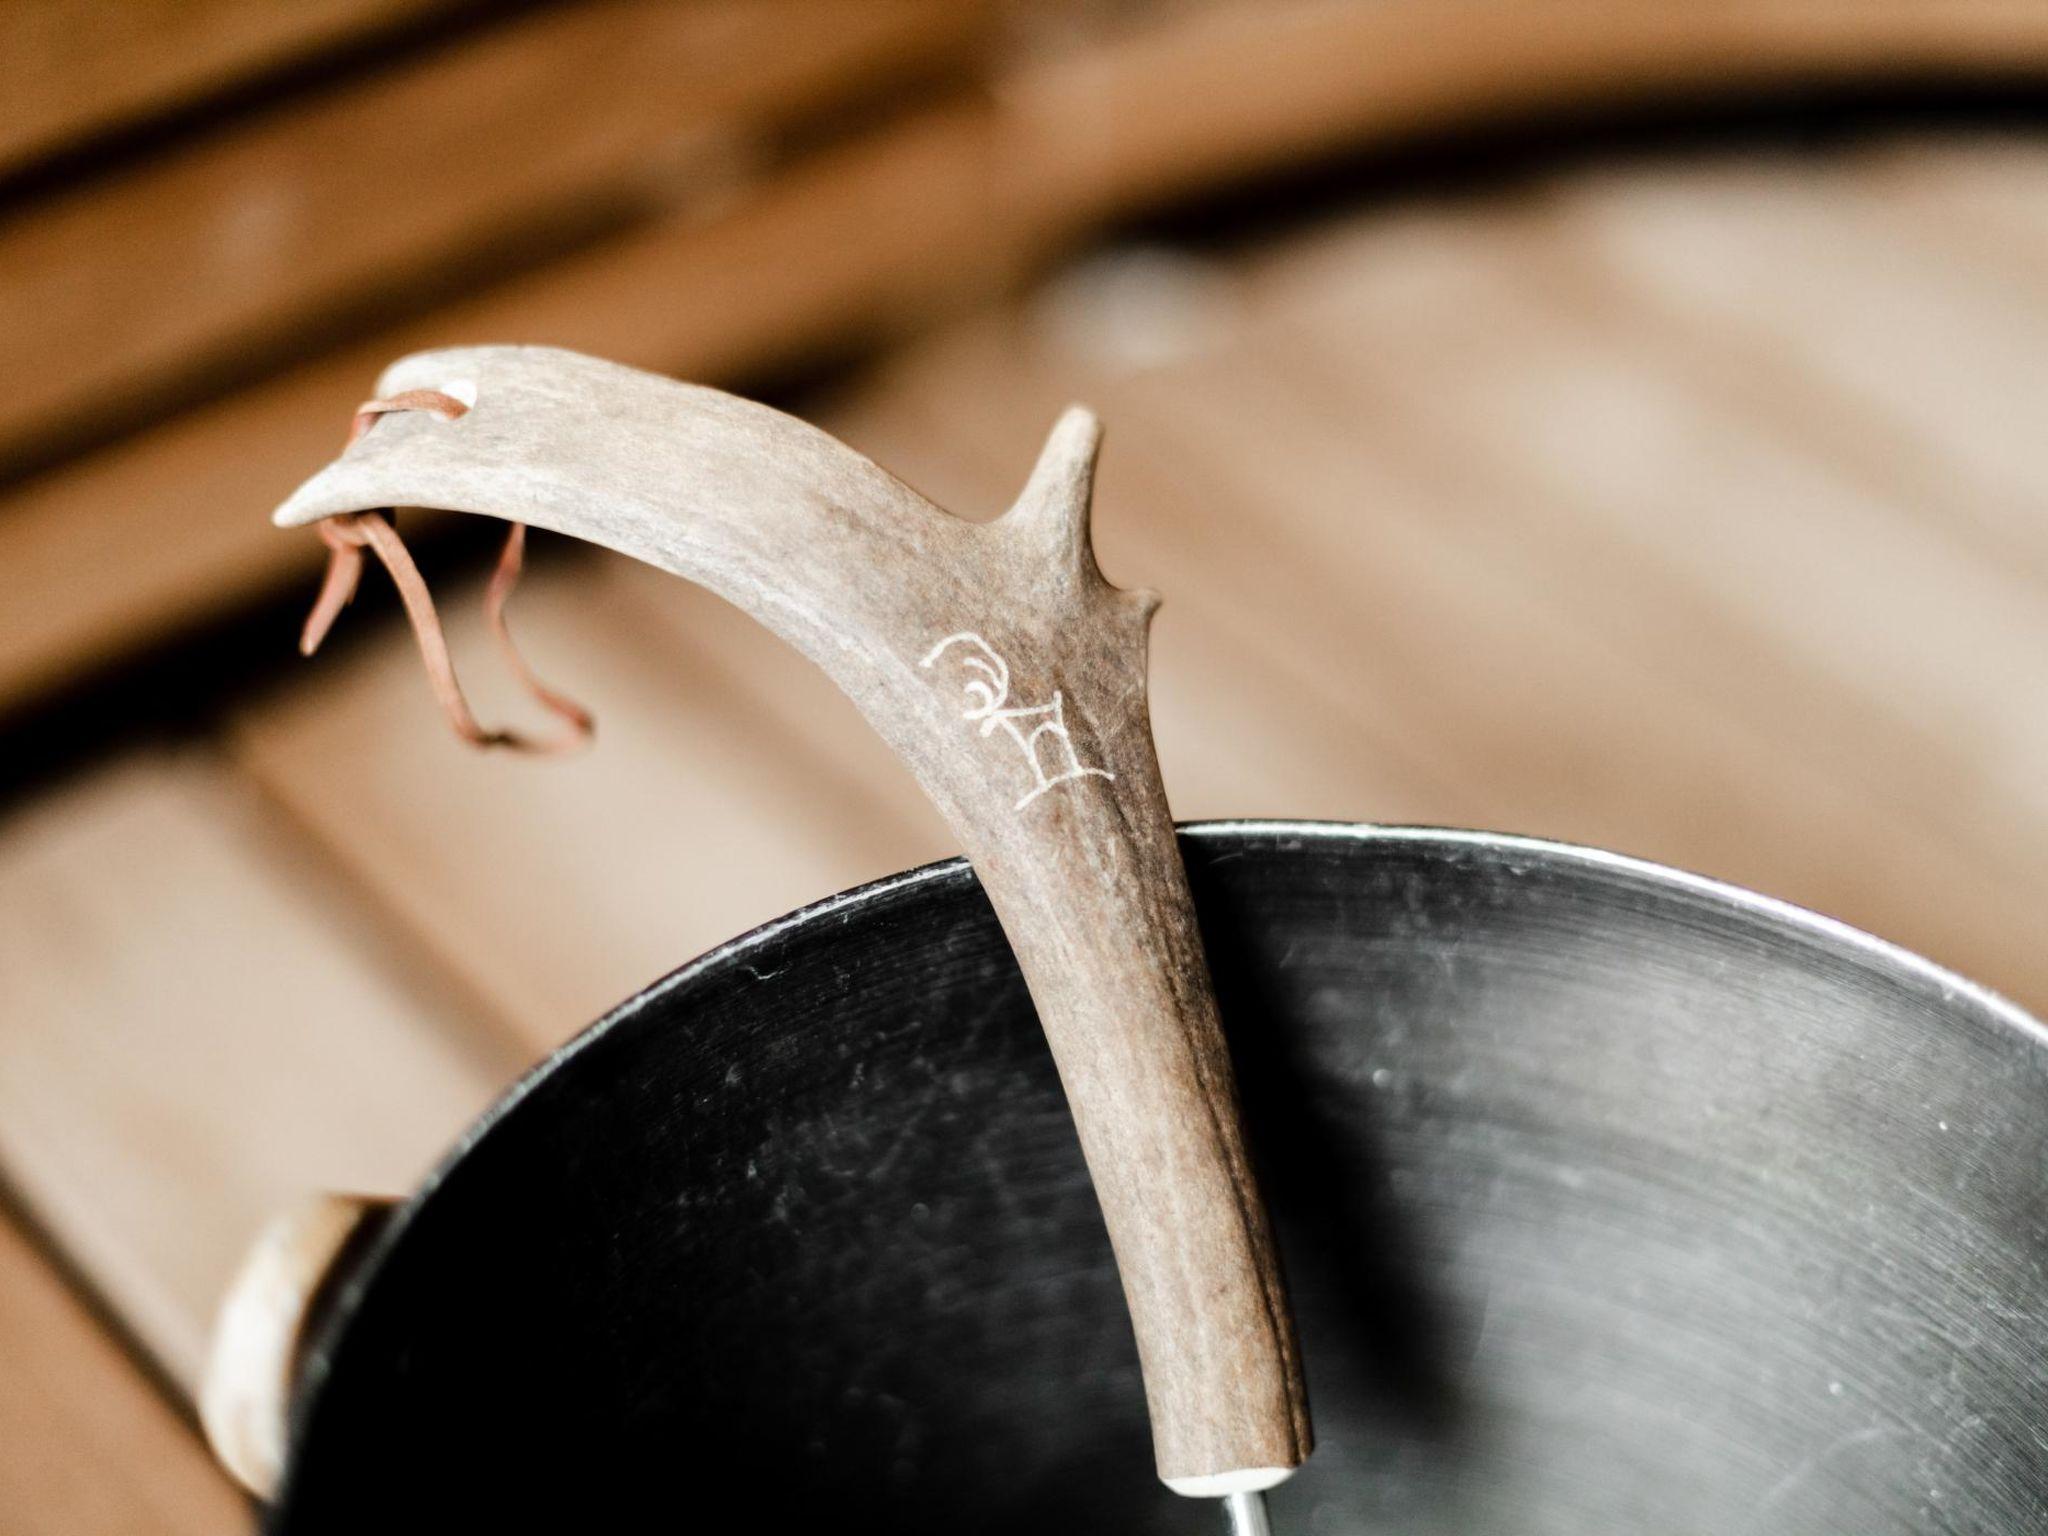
x: 348, y: 534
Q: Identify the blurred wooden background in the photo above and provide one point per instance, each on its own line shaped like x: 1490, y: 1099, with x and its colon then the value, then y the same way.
x: 1551, y: 458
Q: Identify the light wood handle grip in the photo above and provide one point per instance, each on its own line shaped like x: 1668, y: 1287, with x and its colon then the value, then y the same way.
x: 1010, y: 677
x: 245, y: 1396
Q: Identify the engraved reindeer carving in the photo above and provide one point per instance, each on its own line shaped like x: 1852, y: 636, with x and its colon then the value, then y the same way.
x: 992, y: 690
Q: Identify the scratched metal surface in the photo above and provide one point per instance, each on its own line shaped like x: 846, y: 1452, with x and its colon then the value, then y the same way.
x: 1613, y: 1201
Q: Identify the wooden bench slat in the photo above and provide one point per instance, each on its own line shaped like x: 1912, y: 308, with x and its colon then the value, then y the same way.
x: 68, y: 71
x: 198, y: 1031
x: 1916, y: 371
x: 1740, y: 581
x: 1912, y: 642
x: 449, y: 163
x: 86, y: 1444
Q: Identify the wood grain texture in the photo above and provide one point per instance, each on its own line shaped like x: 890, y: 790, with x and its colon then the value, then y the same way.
x: 1743, y: 577
x: 1892, y: 593
x: 454, y: 163
x: 1010, y: 677
x: 68, y: 70
x: 193, y: 1038
x: 1822, y: 295
x: 893, y: 230
x: 85, y: 1442
x: 1232, y: 91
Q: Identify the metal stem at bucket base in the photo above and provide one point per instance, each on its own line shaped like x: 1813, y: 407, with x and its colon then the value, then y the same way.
x: 1246, y: 1514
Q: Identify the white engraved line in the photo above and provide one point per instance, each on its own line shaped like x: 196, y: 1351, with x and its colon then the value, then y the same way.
x: 991, y: 692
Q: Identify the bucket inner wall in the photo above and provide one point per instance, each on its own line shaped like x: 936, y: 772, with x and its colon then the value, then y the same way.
x: 1611, y: 1200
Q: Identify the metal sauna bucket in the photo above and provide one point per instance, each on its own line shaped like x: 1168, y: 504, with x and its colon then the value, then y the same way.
x: 1612, y: 1200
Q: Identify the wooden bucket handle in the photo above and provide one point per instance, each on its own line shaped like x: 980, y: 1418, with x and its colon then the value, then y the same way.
x: 272, y: 1306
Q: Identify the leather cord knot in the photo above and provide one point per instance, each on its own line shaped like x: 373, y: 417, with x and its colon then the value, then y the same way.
x: 348, y: 534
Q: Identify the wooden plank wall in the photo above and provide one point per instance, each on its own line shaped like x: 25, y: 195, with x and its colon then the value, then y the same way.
x: 69, y: 72
x: 1690, y: 507
x: 455, y: 167
x: 896, y: 225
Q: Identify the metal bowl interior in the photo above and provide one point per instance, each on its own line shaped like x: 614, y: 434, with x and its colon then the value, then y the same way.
x: 1612, y: 1200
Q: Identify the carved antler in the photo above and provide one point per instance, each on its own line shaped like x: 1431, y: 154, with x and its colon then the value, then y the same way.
x: 1010, y: 676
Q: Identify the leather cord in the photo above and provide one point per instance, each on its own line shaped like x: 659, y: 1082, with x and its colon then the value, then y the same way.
x: 348, y: 534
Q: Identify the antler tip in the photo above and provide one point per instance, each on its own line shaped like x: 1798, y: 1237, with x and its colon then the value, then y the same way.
x: 1080, y: 420
x: 319, y: 497
x: 1054, y: 502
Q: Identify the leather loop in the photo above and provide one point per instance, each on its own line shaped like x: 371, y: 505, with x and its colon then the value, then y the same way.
x: 349, y: 534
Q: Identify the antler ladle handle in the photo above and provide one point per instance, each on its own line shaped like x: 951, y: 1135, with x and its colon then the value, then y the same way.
x: 1010, y: 676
